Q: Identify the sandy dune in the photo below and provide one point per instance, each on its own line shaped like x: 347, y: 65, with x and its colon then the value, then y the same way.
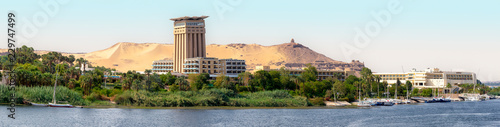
x: 126, y: 56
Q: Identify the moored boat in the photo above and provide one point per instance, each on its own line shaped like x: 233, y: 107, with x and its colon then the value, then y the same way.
x: 388, y: 103
x: 54, y: 102
x: 40, y: 105
x: 364, y: 104
x: 378, y: 103
x: 61, y: 105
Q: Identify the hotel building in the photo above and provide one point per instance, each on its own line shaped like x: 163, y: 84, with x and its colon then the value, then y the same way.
x: 189, y: 39
x: 430, y: 78
x: 190, y: 52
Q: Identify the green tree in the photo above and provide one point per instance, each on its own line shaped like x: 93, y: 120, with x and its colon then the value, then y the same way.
x: 71, y: 59
x: 25, y: 54
x: 86, y: 81
x: 409, y: 86
x: 263, y: 79
x: 148, y: 81
x: 199, y: 81
x: 367, y: 77
x: 427, y: 92
x: 168, y: 79
x: 310, y: 73
x: 223, y: 81
x: 398, y: 83
x: 286, y: 80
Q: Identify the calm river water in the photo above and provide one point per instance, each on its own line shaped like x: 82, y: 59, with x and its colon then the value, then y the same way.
x: 485, y: 113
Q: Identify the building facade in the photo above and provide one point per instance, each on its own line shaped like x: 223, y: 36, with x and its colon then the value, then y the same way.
x: 163, y: 66
x: 210, y: 65
x: 430, y: 78
x: 190, y: 52
x: 189, y: 39
x: 232, y: 67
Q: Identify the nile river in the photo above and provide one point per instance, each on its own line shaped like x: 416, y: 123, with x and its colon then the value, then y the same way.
x: 485, y: 113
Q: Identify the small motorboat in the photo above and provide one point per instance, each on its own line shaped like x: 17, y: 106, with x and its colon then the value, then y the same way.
x: 337, y: 104
x: 61, y: 105
x: 364, y: 104
x: 378, y: 103
x: 435, y: 100
x: 388, y: 103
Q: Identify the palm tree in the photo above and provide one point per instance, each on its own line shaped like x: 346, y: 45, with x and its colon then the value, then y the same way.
x: 377, y: 77
x: 148, y: 83
x: 396, y: 88
x: 181, y: 81
x: 356, y: 83
x: 86, y: 81
x: 80, y: 60
x: 370, y: 81
x: 71, y: 59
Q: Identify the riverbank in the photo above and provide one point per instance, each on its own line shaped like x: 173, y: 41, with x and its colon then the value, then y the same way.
x: 218, y: 107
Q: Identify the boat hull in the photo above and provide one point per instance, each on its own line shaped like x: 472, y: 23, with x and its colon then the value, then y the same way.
x: 39, y: 105
x: 61, y: 105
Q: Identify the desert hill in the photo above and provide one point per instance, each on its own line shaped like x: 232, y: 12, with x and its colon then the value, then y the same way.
x: 126, y: 56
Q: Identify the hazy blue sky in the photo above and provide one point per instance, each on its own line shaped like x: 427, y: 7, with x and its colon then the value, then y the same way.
x: 448, y: 34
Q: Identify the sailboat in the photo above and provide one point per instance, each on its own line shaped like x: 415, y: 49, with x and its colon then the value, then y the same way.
x: 362, y: 103
x: 54, y: 104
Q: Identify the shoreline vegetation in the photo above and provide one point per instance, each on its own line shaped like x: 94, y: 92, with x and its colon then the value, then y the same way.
x: 35, y: 78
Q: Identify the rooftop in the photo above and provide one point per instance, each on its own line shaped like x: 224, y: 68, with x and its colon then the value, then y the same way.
x: 189, y: 18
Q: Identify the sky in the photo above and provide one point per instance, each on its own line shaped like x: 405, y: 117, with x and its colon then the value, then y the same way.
x: 387, y: 35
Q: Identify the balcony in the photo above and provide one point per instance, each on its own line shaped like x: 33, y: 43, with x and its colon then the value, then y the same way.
x: 162, y: 65
x: 236, y: 69
x: 191, y: 72
x: 162, y: 69
x: 191, y: 64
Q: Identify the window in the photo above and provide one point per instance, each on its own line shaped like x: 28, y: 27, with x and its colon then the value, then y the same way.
x: 195, y: 23
x: 179, y: 24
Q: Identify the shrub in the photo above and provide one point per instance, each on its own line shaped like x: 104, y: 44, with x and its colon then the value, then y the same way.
x: 42, y: 94
x: 317, y: 101
x: 115, y: 92
x: 209, y: 97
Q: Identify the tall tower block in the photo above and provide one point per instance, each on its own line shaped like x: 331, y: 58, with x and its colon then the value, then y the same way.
x: 189, y: 34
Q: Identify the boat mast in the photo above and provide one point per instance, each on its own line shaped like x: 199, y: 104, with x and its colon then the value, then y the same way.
x: 55, y: 84
x: 359, y: 92
x: 406, y: 79
x: 407, y: 94
x: 396, y: 91
x: 333, y: 90
x: 387, y: 89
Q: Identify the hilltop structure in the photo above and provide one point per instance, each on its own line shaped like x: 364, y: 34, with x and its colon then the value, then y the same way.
x: 190, y: 52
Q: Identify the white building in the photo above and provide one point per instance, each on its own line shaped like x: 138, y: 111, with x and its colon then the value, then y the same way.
x: 430, y: 78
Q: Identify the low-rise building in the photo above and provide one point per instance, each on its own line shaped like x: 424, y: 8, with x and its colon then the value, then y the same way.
x: 430, y: 78
x: 210, y: 65
x: 232, y: 67
x: 163, y: 66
